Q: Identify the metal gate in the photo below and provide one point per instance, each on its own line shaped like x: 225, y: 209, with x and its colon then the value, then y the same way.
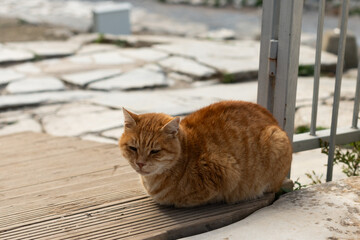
x: 278, y: 74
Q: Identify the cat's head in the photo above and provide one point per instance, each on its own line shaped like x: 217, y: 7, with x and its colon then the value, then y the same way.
x: 150, y: 142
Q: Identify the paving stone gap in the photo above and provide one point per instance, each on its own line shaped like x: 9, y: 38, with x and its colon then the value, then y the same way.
x: 135, y: 79
x: 38, y: 84
x: 83, y: 79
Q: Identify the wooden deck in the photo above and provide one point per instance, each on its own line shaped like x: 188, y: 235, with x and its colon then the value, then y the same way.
x: 66, y: 188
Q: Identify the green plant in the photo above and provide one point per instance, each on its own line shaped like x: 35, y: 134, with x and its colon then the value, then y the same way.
x: 306, y: 128
x: 120, y: 43
x: 298, y: 185
x: 228, y: 78
x: 354, y: 11
x: 100, y: 38
x: 315, y: 179
x: 22, y: 21
x: 347, y: 155
x: 306, y: 70
x: 38, y: 57
x: 258, y: 3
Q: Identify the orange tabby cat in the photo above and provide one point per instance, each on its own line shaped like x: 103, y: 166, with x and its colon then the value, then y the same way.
x: 228, y: 151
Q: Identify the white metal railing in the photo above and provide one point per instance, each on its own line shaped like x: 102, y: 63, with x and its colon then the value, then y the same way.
x: 278, y: 73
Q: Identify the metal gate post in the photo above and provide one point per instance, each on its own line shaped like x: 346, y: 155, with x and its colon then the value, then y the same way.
x: 281, y: 29
x: 269, y: 32
x: 288, y: 63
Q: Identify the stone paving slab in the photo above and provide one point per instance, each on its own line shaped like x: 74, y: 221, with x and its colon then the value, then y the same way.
x: 95, y: 138
x: 84, y: 78
x: 153, y: 67
x: 236, y: 57
x: 324, y: 211
x: 145, y: 54
x: 113, y: 133
x: 187, y: 66
x: 79, y: 63
x: 76, y: 108
x: 95, y: 47
x: 307, y: 57
x: 303, y: 115
x: 230, y: 58
x: 219, y: 34
x: 113, y: 58
x: 22, y: 100
x: 180, y: 77
x: 177, y: 102
x: 35, y: 84
x: 10, y: 55
x: 246, y: 91
x: 47, y: 48
x: 77, y: 124
x: 22, y: 125
x: 138, y: 78
x: 141, y: 40
x: 144, y: 102
x: 326, y: 90
x: 28, y: 68
x: 8, y: 75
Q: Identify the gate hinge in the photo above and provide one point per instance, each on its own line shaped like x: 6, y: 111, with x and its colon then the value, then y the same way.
x: 273, y: 57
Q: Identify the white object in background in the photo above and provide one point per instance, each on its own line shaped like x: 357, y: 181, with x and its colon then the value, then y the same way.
x: 112, y: 18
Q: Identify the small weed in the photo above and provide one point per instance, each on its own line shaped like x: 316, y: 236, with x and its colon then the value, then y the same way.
x: 38, y: 57
x: 315, y: 179
x: 306, y: 128
x: 347, y: 155
x: 228, y: 78
x: 306, y: 70
x: 298, y: 185
x: 120, y: 43
x: 354, y: 11
x: 100, y: 38
x: 258, y: 3
x: 22, y: 21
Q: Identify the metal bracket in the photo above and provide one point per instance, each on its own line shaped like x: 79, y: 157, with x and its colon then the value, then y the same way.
x: 273, y: 57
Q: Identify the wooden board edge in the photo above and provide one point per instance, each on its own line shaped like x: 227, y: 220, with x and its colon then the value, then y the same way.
x: 197, y: 227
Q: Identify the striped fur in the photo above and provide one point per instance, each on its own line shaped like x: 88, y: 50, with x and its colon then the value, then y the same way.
x: 229, y: 151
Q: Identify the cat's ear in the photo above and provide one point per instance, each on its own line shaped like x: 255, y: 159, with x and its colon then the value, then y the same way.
x: 172, y: 127
x: 130, y: 118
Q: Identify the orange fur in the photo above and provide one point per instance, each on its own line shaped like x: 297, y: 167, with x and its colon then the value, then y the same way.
x: 229, y: 151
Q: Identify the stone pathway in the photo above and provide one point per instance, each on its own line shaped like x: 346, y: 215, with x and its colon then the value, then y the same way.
x: 77, y: 87
x: 325, y: 211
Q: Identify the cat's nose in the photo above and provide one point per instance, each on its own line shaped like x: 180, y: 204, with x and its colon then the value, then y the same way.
x: 140, y: 165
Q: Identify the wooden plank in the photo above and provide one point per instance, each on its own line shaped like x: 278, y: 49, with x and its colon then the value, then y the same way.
x: 33, y: 147
x: 138, y: 219
x: 61, y: 166
x: 89, y: 192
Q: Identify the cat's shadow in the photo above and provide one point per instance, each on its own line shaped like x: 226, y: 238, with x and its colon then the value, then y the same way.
x: 187, y: 221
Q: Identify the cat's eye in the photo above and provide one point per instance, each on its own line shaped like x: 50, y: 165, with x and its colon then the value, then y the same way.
x: 154, y: 151
x: 133, y: 148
